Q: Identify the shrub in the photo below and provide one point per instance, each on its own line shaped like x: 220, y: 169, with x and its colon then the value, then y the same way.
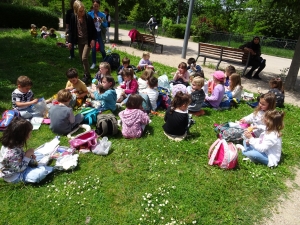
x: 37, y: 15
x: 176, y: 30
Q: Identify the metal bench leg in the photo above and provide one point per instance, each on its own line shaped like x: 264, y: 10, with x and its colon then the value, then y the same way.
x: 204, y: 60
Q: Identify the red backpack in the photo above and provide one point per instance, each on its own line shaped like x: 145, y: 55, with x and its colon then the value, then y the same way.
x: 223, y: 154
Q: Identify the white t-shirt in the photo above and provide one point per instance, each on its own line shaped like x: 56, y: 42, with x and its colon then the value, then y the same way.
x: 153, y: 96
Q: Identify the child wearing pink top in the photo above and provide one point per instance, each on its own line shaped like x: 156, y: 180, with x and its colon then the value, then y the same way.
x: 133, y: 119
x: 129, y: 87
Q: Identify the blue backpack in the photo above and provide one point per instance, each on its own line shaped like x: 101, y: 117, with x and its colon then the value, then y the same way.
x: 226, y: 101
x: 90, y: 115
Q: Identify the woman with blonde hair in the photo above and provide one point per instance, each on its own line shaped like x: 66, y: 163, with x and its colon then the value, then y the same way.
x: 82, y: 32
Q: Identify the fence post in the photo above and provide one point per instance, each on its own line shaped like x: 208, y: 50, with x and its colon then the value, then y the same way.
x: 229, y: 39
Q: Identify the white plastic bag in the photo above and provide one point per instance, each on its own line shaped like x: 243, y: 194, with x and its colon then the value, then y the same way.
x: 66, y: 162
x: 103, y: 147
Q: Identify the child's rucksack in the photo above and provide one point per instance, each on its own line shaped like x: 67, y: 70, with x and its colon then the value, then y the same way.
x: 113, y: 59
x: 231, y: 134
x: 107, y: 124
x: 90, y: 115
x: 226, y: 101
x: 222, y: 153
x: 163, y: 99
x: 7, y: 117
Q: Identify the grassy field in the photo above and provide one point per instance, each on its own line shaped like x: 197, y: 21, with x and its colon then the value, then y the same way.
x: 150, y: 180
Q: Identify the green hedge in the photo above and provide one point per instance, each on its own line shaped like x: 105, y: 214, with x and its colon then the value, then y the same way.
x: 178, y: 30
x: 15, y: 16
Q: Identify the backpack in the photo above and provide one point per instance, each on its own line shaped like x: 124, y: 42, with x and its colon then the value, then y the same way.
x: 7, y: 117
x: 107, y: 124
x: 163, y: 99
x: 90, y: 115
x: 113, y: 59
x: 224, y: 154
x: 226, y: 101
x: 231, y: 134
x: 85, y: 140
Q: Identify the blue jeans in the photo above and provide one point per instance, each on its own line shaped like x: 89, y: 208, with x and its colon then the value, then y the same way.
x: 102, y: 50
x: 120, y: 79
x: 254, y: 155
x: 34, y: 174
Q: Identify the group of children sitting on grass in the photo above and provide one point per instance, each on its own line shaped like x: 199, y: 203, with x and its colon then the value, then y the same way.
x: 262, y: 143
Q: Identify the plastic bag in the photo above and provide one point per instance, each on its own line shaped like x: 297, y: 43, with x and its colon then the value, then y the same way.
x: 103, y: 147
x: 66, y: 162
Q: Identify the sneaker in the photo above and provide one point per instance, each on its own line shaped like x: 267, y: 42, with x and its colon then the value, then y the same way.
x: 70, y: 57
x: 246, y: 159
x: 93, y: 66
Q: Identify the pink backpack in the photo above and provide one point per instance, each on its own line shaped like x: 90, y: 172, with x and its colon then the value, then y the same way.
x: 223, y: 154
x: 86, y: 140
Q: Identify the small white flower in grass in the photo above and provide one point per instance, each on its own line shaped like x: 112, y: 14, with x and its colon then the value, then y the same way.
x: 166, y: 202
x: 141, y: 219
x: 58, y: 204
x: 152, y: 205
x: 162, y: 218
x: 194, y: 222
x: 70, y: 198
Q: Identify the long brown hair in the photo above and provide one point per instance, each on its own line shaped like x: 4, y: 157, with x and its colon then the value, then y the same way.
x: 270, y: 99
x: 16, y: 133
x: 274, y: 121
x: 179, y: 100
x: 235, y: 80
x: 277, y: 83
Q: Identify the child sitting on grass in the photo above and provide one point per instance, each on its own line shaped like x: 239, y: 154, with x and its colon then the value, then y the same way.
x: 143, y: 80
x: 108, y: 97
x: 104, y: 69
x: 125, y: 64
x: 235, y: 86
x: 76, y: 87
x: 182, y: 75
x: 193, y: 67
x: 14, y: 161
x: 152, y: 92
x: 176, y: 117
x: 23, y: 98
x: 266, y: 149
x: 133, y: 119
x: 216, y: 97
x: 197, y: 96
x: 61, y: 115
x: 144, y: 62
x: 228, y: 71
x: 277, y: 89
x: 130, y: 85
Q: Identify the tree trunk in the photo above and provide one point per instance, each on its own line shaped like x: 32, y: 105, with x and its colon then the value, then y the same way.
x: 63, y: 13
x: 290, y: 82
x: 116, y: 35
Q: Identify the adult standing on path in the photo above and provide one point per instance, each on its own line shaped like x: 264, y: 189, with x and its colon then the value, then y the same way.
x: 82, y: 32
x: 256, y: 61
x: 100, y: 23
x: 69, y: 13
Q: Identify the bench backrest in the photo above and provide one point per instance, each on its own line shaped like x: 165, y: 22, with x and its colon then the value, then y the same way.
x: 235, y: 54
x: 147, y: 38
x: 224, y: 53
x: 210, y: 50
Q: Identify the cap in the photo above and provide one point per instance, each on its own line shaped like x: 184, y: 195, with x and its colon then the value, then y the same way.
x: 219, y: 75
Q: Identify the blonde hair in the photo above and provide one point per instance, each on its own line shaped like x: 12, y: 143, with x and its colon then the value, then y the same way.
x: 235, y: 80
x: 77, y: 5
x: 274, y: 121
x: 199, y: 81
x: 146, y: 54
x: 43, y: 28
x: 106, y: 65
x: 64, y: 95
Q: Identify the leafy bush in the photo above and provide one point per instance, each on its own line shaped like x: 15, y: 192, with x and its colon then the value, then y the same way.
x: 166, y: 23
x: 37, y: 15
x: 203, y: 29
x: 176, y: 30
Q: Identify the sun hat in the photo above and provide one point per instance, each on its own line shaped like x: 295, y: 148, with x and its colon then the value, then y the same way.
x: 219, y: 75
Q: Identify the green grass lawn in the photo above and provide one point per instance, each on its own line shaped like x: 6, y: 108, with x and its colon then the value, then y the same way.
x: 151, y: 180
